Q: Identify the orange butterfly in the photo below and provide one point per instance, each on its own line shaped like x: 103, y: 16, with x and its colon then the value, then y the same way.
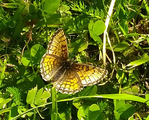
x: 68, y: 77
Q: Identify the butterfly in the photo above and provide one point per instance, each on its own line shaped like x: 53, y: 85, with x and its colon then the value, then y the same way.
x: 67, y: 76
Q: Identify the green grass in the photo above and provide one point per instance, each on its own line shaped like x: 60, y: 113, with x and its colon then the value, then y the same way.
x: 25, y: 30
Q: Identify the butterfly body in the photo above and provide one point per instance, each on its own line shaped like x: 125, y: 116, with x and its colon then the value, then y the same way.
x: 65, y: 66
x: 68, y: 77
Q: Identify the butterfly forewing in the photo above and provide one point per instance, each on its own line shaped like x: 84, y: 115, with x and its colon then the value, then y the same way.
x: 57, y: 52
x: 58, y: 45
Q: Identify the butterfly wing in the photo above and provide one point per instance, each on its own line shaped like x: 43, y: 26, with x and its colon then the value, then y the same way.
x: 49, y: 65
x: 58, y: 45
x: 69, y: 83
x: 88, y: 74
x: 57, y: 52
x: 80, y: 75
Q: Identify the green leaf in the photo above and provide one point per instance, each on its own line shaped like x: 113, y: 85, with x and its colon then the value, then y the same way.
x: 122, y: 110
x: 37, y: 51
x: 77, y: 103
x: 78, y: 46
x: 4, y: 101
x: 94, y: 107
x: 95, y: 29
x: 147, y: 98
x: 147, y: 118
x: 32, y: 10
x: 90, y: 25
x: 5, y: 110
x: 89, y: 90
x: 118, y: 104
x: 147, y: 40
x: 83, y: 112
x: 126, y: 111
x: 124, y: 26
x: 96, y: 38
x: 88, y: 112
x: 26, y: 59
x: 119, y: 47
x: 41, y: 97
x: 16, y: 95
x: 82, y: 47
x: 139, y: 62
x: 50, y: 6
x: 65, y: 8
x: 121, y: 77
x: 132, y: 34
x: 38, y: 99
x: 98, y: 27
x: 13, y: 112
x: 33, y: 56
x: 31, y: 96
x: 94, y: 112
x: 64, y: 114
x: 132, y: 118
x: 9, y: 5
x: 124, y: 97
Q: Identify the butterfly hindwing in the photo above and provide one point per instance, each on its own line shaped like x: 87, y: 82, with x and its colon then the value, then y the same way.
x: 88, y: 74
x: 69, y: 83
x: 78, y: 76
